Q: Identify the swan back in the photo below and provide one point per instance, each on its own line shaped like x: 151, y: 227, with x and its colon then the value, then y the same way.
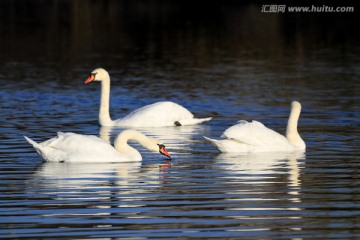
x: 158, y: 114
x: 254, y: 133
x: 77, y: 142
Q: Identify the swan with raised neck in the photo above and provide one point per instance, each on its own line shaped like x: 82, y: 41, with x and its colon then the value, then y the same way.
x: 159, y: 114
x: 102, y: 75
x: 255, y: 137
x: 292, y: 134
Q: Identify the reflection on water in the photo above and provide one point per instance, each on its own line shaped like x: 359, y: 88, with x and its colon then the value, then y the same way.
x: 263, y: 168
x: 82, y: 175
x: 230, y: 62
x: 257, y: 163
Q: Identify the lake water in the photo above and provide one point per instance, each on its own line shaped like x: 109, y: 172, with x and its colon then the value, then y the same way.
x: 230, y: 62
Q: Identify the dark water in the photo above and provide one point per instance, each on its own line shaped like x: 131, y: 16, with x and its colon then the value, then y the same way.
x: 230, y: 62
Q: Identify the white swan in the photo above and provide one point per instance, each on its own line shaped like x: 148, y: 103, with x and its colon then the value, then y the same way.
x: 255, y: 137
x: 72, y: 147
x: 159, y: 114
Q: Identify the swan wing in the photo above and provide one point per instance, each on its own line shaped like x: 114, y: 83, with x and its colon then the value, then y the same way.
x: 72, y: 147
x: 77, y: 142
x: 228, y: 145
x: 254, y: 133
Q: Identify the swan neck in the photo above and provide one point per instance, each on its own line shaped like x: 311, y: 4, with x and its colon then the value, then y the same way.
x: 122, y: 146
x: 292, y: 133
x: 293, y: 122
x: 133, y: 135
x: 104, y: 114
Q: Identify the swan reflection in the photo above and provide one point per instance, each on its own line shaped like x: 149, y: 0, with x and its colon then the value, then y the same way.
x: 255, y: 163
x: 84, y: 175
x: 257, y: 173
x: 103, y: 177
x: 261, y: 167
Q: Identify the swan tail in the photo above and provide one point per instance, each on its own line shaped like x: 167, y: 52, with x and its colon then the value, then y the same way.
x: 39, y: 149
x: 192, y: 121
x: 216, y: 143
x: 47, y: 153
x: 229, y: 145
x: 32, y: 142
x: 210, y: 139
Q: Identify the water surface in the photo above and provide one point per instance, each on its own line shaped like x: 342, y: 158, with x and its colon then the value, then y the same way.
x: 240, y: 65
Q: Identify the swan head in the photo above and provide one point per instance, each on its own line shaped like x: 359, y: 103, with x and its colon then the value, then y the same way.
x: 155, y: 145
x: 98, y: 74
x: 163, y: 151
x: 295, y: 105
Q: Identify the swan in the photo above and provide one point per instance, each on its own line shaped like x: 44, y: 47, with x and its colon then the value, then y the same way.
x: 255, y: 137
x: 159, y: 114
x: 72, y: 147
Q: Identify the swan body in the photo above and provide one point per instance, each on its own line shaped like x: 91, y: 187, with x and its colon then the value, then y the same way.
x: 255, y: 137
x: 72, y: 147
x: 159, y: 114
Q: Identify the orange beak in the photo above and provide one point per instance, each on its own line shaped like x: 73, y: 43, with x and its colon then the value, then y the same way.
x: 163, y: 151
x: 90, y: 78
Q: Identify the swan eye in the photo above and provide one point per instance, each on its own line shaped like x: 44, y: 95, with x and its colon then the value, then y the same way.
x: 161, y: 146
x: 90, y: 78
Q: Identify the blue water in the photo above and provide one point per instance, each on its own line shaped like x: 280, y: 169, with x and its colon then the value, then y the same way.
x: 199, y: 192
